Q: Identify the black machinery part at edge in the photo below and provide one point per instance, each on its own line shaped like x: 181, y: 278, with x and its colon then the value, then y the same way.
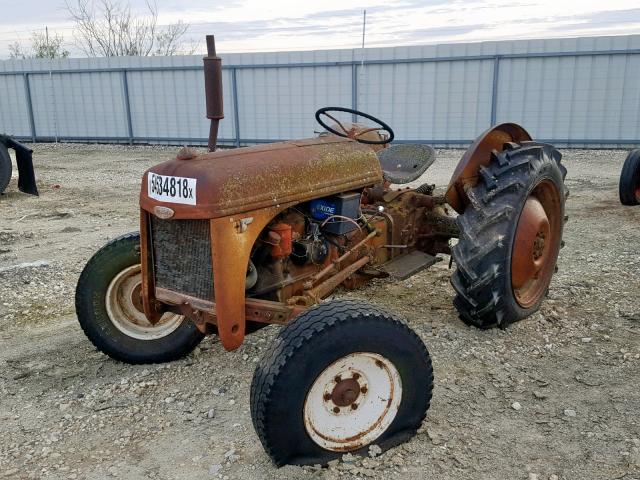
x: 24, y: 160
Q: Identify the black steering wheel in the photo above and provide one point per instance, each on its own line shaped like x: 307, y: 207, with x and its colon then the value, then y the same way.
x: 352, y: 133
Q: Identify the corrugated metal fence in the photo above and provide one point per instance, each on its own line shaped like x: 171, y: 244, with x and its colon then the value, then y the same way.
x: 578, y: 92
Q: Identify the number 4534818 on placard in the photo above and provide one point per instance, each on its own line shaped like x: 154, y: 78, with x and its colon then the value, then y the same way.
x: 172, y: 189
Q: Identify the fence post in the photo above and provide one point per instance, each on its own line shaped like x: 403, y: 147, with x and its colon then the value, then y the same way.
x: 127, y: 105
x: 354, y: 89
x: 494, y: 91
x: 236, y: 113
x: 27, y: 92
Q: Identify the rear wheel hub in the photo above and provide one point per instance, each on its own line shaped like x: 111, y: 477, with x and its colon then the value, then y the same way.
x: 536, y: 244
x: 529, y: 250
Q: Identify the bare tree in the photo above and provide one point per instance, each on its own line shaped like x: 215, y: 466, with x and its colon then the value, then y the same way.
x: 168, y: 40
x: 16, y: 50
x: 108, y: 28
x: 42, y: 46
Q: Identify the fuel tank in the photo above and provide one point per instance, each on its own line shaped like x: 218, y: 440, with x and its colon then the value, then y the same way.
x: 229, y: 182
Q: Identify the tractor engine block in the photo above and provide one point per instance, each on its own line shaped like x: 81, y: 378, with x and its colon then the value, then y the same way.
x: 308, y: 238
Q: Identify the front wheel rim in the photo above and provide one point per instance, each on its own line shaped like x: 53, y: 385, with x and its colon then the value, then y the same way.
x: 352, y: 402
x: 124, y: 308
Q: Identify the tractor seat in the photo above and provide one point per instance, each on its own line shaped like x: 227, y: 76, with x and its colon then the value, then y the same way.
x: 404, y: 163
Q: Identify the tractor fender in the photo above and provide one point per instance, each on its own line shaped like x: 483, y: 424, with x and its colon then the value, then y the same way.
x: 477, y: 156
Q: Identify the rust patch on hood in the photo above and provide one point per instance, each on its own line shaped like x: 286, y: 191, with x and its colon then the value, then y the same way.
x: 237, y: 181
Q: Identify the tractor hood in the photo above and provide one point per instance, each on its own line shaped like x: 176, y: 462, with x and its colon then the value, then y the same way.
x: 229, y: 182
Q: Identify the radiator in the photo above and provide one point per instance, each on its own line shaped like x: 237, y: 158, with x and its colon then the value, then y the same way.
x: 182, y: 256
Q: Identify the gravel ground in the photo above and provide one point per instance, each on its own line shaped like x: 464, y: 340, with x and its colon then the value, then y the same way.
x: 552, y: 397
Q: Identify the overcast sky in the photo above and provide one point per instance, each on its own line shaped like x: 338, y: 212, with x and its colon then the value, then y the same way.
x: 269, y: 25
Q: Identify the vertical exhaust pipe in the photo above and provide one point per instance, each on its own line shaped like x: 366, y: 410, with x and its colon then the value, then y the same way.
x: 213, y: 90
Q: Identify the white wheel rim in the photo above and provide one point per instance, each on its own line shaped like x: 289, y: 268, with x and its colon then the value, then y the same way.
x: 129, y: 318
x: 352, y: 402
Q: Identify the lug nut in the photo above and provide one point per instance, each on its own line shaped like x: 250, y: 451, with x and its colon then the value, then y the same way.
x: 364, y: 389
x: 354, y: 406
x: 337, y: 378
x: 336, y: 410
x: 356, y: 376
x: 327, y: 397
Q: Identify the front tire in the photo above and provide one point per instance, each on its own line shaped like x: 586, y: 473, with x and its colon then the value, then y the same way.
x: 510, y: 235
x: 342, y: 376
x: 629, y: 187
x: 109, y: 309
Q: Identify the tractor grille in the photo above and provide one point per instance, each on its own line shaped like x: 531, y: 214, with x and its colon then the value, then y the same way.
x: 182, y: 256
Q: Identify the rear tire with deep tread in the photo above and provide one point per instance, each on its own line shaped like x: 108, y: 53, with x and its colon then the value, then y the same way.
x: 482, y: 281
x: 5, y: 168
x: 305, y: 347
x: 630, y: 179
x: 116, y: 256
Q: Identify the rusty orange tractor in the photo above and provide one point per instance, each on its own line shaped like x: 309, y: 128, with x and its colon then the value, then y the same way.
x: 231, y: 241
